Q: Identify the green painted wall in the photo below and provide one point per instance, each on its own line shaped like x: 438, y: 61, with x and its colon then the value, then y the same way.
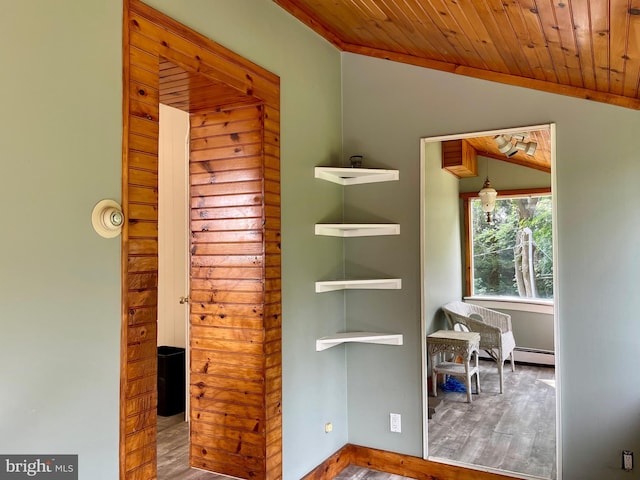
x: 60, y: 151
x: 532, y: 330
x: 388, y: 107
x: 442, y: 262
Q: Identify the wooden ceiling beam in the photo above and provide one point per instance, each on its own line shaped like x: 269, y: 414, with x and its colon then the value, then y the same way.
x: 542, y: 85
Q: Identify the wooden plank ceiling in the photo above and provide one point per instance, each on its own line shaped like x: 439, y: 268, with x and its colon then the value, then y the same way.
x: 192, y: 92
x: 540, y: 160
x: 583, y: 48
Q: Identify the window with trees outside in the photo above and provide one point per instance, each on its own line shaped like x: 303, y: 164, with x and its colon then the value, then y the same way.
x: 512, y: 256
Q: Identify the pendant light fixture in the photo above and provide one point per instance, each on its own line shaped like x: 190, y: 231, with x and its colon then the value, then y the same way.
x: 488, y: 196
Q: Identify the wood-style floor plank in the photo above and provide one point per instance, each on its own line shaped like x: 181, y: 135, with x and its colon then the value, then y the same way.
x: 173, y: 451
x: 353, y: 472
x: 513, y: 432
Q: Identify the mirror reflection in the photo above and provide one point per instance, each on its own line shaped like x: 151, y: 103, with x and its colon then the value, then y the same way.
x: 490, y: 354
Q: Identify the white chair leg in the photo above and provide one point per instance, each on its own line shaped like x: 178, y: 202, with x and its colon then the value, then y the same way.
x: 477, y: 376
x: 513, y: 365
x: 500, y: 365
x: 434, y: 379
x: 468, y: 382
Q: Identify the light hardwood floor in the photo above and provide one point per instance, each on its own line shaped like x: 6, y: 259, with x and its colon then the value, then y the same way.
x: 514, y: 431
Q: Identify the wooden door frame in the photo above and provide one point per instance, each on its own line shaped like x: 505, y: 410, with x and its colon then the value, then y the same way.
x: 148, y: 36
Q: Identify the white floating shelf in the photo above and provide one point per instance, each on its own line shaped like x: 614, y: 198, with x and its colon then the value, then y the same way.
x: 360, y: 337
x: 377, y: 284
x: 357, y: 229
x: 354, y: 176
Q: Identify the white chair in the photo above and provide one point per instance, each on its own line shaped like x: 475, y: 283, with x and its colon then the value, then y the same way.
x: 496, y: 334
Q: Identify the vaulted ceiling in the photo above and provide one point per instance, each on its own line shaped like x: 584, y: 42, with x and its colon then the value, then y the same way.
x: 582, y: 48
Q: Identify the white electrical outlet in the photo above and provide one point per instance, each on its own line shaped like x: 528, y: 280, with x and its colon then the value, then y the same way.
x: 627, y: 460
x: 328, y: 427
x: 395, y: 422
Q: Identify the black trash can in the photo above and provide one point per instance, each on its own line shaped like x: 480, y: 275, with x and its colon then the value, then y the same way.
x: 171, y: 380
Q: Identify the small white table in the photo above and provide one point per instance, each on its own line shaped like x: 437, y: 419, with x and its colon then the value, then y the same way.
x: 462, y: 344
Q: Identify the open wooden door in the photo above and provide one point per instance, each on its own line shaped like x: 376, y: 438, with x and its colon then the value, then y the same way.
x: 236, y: 426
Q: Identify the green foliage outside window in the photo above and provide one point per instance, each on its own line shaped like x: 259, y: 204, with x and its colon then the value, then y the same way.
x: 519, y: 239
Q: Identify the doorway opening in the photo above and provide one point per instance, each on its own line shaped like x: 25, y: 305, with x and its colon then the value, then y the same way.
x: 448, y: 256
x: 234, y: 204
x: 173, y: 295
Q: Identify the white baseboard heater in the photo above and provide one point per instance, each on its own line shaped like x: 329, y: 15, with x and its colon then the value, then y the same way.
x: 530, y: 355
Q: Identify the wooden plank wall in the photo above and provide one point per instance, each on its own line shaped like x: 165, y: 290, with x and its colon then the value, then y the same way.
x: 235, y: 283
x: 148, y: 37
